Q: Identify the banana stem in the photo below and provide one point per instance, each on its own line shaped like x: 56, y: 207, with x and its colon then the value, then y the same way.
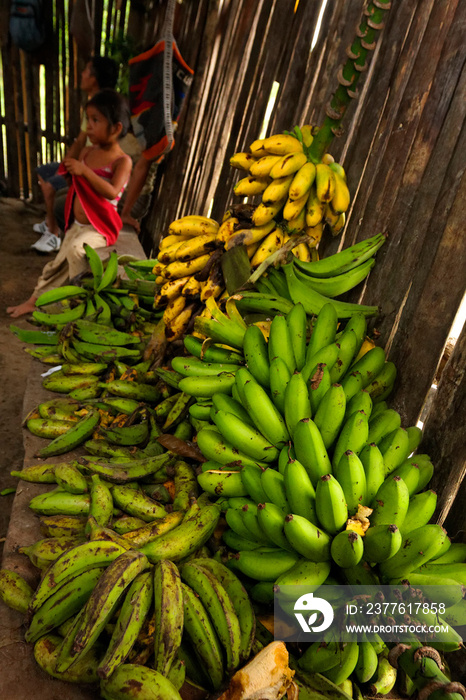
x: 348, y: 76
x: 423, y: 665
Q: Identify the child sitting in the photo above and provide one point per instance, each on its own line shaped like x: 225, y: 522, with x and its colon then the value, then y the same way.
x: 98, y: 180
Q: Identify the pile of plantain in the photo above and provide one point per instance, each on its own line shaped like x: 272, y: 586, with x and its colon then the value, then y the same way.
x: 258, y: 452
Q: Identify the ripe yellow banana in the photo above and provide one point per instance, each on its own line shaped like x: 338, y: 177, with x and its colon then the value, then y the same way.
x: 193, y: 225
x: 263, y: 214
x: 170, y: 290
x: 213, y: 286
x: 294, y: 207
x: 302, y: 252
x: 257, y: 148
x: 167, y: 241
x: 195, y: 247
x: 242, y: 161
x: 247, y: 236
x: 191, y: 288
x: 330, y: 217
x: 175, y: 307
x: 168, y: 254
x: 251, y: 249
x: 281, y: 144
x: 340, y: 224
x: 263, y: 166
x: 270, y: 244
x: 315, y: 235
x: 277, y: 190
x: 249, y: 186
x: 328, y: 159
x: 341, y: 198
x: 177, y: 326
x: 338, y: 170
x: 325, y: 182
x: 288, y: 165
x: 181, y: 269
x: 302, y: 181
x: 314, y: 208
x: 158, y: 269
x: 298, y: 223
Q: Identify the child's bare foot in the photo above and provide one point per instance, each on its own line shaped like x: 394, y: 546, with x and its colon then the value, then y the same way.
x: 26, y: 307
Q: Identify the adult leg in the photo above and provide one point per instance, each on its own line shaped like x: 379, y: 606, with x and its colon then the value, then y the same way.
x: 48, y: 192
x: 59, y: 208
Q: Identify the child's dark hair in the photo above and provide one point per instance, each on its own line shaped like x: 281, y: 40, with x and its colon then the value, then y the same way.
x: 105, y: 71
x: 113, y: 107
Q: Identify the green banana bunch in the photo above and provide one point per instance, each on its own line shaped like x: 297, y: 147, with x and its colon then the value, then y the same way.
x: 65, y: 383
x: 36, y: 337
x: 416, y: 549
x: 125, y: 472
x: 264, y: 563
x: 221, y: 482
x: 62, y: 408
x: 37, y: 473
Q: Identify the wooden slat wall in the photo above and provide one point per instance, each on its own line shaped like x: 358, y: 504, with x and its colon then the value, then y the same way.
x: 403, y: 150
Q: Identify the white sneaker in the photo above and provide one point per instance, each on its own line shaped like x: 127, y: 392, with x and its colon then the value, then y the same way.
x: 47, y: 243
x: 41, y: 228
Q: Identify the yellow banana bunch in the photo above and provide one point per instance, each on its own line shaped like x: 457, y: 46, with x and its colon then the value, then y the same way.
x: 183, y: 255
x: 304, y: 193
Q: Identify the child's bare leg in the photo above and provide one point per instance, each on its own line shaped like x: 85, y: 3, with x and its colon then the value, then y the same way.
x: 26, y: 307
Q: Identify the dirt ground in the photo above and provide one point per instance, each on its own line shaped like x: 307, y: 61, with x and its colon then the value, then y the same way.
x: 20, y: 267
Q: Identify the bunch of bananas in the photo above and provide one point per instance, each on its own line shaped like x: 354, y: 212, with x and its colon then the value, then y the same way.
x: 103, y: 298
x: 312, y: 467
x: 102, y: 609
x: 187, y: 272
x: 299, y: 193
